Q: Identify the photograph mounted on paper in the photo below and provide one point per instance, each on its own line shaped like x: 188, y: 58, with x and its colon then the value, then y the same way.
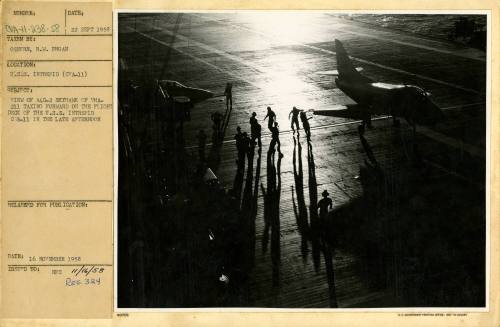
x: 272, y: 159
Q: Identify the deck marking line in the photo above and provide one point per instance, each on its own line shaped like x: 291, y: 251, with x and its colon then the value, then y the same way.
x: 397, y: 70
x: 387, y: 39
x: 423, y: 130
x: 198, y: 59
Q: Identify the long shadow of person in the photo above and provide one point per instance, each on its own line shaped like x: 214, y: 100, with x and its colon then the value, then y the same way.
x: 243, y: 247
x: 368, y: 150
x: 213, y: 160
x: 246, y: 204
x: 313, y: 207
x: 271, y: 214
x: 253, y: 208
x: 268, y: 197
x: 238, y: 182
x: 318, y: 231
x: 301, y: 210
x: 275, y: 228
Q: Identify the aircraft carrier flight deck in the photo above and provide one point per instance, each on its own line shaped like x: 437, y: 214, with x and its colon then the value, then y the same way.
x: 207, y: 220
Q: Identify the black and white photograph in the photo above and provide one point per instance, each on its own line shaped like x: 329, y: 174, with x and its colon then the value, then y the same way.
x: 302, y: 159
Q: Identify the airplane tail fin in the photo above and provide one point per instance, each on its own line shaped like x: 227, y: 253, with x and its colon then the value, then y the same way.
x: 345, y: 67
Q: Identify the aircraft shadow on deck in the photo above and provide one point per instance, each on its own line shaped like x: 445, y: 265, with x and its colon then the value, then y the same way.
x: 413, y: 235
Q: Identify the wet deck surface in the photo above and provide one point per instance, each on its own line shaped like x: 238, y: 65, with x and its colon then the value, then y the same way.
x: 274, y: 64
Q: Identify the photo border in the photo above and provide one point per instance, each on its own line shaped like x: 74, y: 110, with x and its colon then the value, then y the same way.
x: 414, y: 310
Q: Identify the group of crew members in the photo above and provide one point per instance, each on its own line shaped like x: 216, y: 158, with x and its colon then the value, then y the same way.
x: 272, y: 124
x: 245, y: 144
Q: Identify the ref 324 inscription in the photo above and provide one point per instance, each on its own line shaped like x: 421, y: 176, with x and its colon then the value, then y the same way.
x: 85, y: 271
x: 82, y: 281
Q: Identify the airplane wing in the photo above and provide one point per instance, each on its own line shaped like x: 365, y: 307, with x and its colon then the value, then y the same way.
x: 335, y: 72
x: 181, y: 99
x: 177, y: 98
x: 352, y: 112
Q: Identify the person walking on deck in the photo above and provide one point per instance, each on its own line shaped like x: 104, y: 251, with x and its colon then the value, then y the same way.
x: 295, y: 118
x: 324, y: 205
x: 255, y: 130
x: 248, y: 147
x: 305, y: 124
x: 272, y: 118
x: 228, y: 92
x: 240, y: 146
x: 275, y: 139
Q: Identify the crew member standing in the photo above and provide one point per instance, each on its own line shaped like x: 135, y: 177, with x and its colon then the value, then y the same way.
x: 275, y: 139
x: 255, y: 130
x: 247, y: 147
x: 228, y: 92
x: 324, y: 205
x: 272, y: 118
x: 295, y: 118
x: 240, y: 146
x: 305, y: 124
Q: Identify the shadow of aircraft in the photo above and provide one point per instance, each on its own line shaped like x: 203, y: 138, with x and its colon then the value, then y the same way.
x: 413, y: 241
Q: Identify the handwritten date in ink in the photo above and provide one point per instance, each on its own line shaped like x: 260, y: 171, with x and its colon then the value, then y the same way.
x: 86, y: 270
x: 83, y: 272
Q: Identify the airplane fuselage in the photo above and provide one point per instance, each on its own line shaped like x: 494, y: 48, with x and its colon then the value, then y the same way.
x: 399, y: 100
x: 405, y: 101
x: 377, y: 98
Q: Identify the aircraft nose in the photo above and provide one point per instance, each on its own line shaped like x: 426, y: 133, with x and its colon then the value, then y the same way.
x: 198, y: 95
x: 209, y: 94
x: 205, y: 94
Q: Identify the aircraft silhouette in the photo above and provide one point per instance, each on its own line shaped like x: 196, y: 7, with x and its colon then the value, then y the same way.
x: 373, y: 98
x: 181, y: 93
